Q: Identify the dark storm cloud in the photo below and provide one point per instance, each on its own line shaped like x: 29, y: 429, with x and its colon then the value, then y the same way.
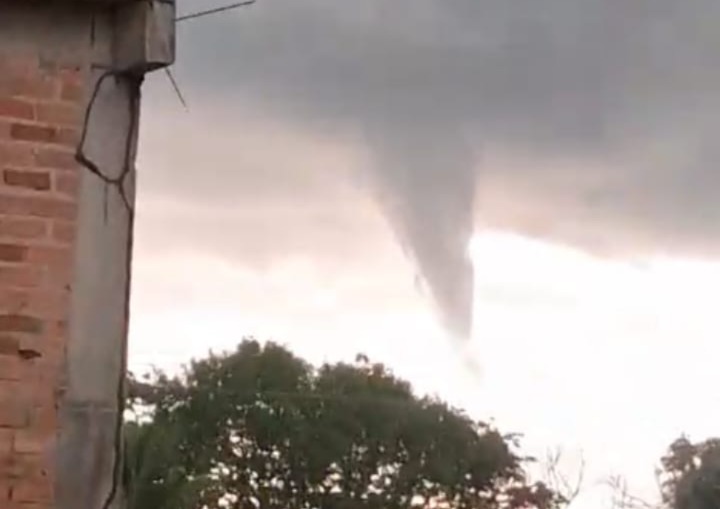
x: 626, y: 91
x: 594, y: 80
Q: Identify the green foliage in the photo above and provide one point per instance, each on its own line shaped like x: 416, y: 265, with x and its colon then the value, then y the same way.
x: 153, y: 478
x: 691, y: 475
x: 261, y: 427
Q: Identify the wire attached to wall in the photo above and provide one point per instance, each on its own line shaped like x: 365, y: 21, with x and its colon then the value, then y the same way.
x: 176, y: 87
x: 215, y: 10
x: 196, y: 15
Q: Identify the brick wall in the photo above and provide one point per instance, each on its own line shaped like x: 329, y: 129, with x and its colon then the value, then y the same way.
x: 66, y: 240
x: 40, y: 118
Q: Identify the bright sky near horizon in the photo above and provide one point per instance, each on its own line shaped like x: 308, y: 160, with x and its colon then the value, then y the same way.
x: 602, y: 359
x: 595, y: 288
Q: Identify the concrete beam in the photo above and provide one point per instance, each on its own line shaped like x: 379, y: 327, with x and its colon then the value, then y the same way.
x: 145, y: 36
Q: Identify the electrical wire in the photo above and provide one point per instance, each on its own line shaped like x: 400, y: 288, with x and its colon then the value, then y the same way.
x: 215, y: 10
x: 176, y: 87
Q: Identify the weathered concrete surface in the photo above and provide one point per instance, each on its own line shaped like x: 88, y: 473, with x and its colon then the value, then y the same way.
x: 99, y: 312
x: 102, y: 248
x: 70, y: 58
x: 145, y: 37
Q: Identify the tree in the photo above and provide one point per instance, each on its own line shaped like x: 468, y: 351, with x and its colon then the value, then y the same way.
x: 153, y: 478
x: 691, y: 474
x: 259, y: 427
x: 688, y: 478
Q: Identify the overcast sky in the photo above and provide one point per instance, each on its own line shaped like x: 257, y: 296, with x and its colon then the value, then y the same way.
x: 335, y: 154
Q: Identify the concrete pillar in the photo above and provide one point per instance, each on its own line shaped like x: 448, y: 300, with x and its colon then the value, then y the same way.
x: 70, y: 76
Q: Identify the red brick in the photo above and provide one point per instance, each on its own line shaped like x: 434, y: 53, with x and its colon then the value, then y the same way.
x: 58, y: 327
x: 32, y: 132
x: 9, y: 297
x: 4, y: 129
x: 50, y: 304
x: 10, y: 367
x: 27, y: 466
x: 72, y: 90
x: 59, y: 276
x: 18, y: 64
x: 16, y: 154
x: 57, y: 114
x: 12, y: 299
x: 41, y: 303
x: 6, y: 440
x: 35, y: 180
x: 22, y: 277
x: 5, y: 491
x: 44, y: 134
x: 40, y: 113
x: 31, y: 86
x: 8, y: 346
x: 63, y: 232
x: 14, y: 412
x: 29, y: 505
x: 22, y: 228
x: 45, y: 417
x: 16, y: 109
x: 13, y: 253
x: 68, y: 137
x: 37, y: 206
x: 39, y: 489
x: 34, y: 350
x: 60, y: 159
x: 49, y: 256
x: 35, y: 391
x: 67, y: 184
x: 33, y: 441
x: 20, y: 323
x: 34, y: 377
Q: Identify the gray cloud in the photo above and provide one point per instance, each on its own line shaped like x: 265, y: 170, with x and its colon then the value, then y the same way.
x: 275, y: 194
x: 567, y: 74
x: 618, y: 83
x: 594, y: 120
x: 427, y: 191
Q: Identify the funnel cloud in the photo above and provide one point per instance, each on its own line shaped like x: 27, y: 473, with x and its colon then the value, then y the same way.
x: 428, y: 197
x: 597, y: 118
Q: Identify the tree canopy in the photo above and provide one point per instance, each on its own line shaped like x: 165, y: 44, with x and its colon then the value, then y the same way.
x: 690, y: 475
x: 260, y: 427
